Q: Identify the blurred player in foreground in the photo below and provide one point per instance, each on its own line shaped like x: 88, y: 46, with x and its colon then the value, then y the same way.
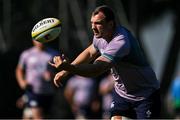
x: 34, y: 76
x: 78, y: 92
x: 136, y: 88
x: 105, y: 90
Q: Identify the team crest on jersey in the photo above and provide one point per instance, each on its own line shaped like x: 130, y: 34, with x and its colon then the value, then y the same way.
x: 148, y: 113
x: 112, y: 104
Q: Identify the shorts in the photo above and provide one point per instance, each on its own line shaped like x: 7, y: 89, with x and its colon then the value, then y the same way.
x: 148, y: 108
x: 38, y: 100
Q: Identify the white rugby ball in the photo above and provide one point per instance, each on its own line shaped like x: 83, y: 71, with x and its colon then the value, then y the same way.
x: 46, y: 30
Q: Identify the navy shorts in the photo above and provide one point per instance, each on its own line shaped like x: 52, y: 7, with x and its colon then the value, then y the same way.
x: 145, y: 109
x: 38, y: 100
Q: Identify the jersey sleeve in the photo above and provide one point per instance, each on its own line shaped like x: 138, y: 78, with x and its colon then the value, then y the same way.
x: 117, y: 48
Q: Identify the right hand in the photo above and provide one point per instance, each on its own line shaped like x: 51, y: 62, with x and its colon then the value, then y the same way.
x: 58, y: 78
x: 57, y: 61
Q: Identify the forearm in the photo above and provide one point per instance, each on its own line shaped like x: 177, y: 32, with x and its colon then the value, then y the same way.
x: 86, y: 56
x: 82, y: 58
x: 87, y: 70
x: 20, y: 78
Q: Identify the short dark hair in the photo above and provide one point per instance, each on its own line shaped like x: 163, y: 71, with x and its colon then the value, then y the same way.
x: 108, y: 12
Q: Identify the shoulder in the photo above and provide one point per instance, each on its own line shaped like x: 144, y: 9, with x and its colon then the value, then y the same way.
x: 123, y: 33
x: 120, y: 35
x: 24, y: 56
x: 26, y: 52
x: 120, y: 30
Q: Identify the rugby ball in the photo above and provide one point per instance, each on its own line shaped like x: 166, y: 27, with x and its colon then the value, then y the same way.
x: 46, y: 30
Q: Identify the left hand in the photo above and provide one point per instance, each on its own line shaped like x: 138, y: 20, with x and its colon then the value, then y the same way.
x: 58, y: 77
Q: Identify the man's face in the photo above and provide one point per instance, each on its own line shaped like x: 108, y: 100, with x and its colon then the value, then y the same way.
x: 38, y: 44
x: 99, y: 25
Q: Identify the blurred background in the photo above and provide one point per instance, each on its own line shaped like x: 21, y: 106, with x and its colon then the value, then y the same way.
x: 156, y: 24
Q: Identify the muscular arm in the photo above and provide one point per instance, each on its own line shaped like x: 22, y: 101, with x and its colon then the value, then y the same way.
x: 86, y: 56
x: 81, y: 67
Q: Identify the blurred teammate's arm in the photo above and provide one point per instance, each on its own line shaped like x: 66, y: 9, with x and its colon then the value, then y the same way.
x: 20, y: 77
x: 69, y: 93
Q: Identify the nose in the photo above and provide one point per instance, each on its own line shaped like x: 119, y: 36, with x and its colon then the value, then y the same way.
x: 93, y: 26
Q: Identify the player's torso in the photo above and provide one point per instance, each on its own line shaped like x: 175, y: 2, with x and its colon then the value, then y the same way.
x: 133, y: 76
x: 36, y: 62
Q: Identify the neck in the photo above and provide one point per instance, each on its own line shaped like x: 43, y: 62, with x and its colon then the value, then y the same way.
x: 110, y: 35
x: 40, y: 48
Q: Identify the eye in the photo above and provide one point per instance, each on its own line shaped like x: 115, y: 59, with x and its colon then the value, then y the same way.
x: 98, y: 23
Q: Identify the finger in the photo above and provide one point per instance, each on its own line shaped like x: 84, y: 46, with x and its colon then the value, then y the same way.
x: 56, y: 81
x: 52, y: 64
x: 55, y: 59
x: 59, y: 59
x: 58, y: 84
